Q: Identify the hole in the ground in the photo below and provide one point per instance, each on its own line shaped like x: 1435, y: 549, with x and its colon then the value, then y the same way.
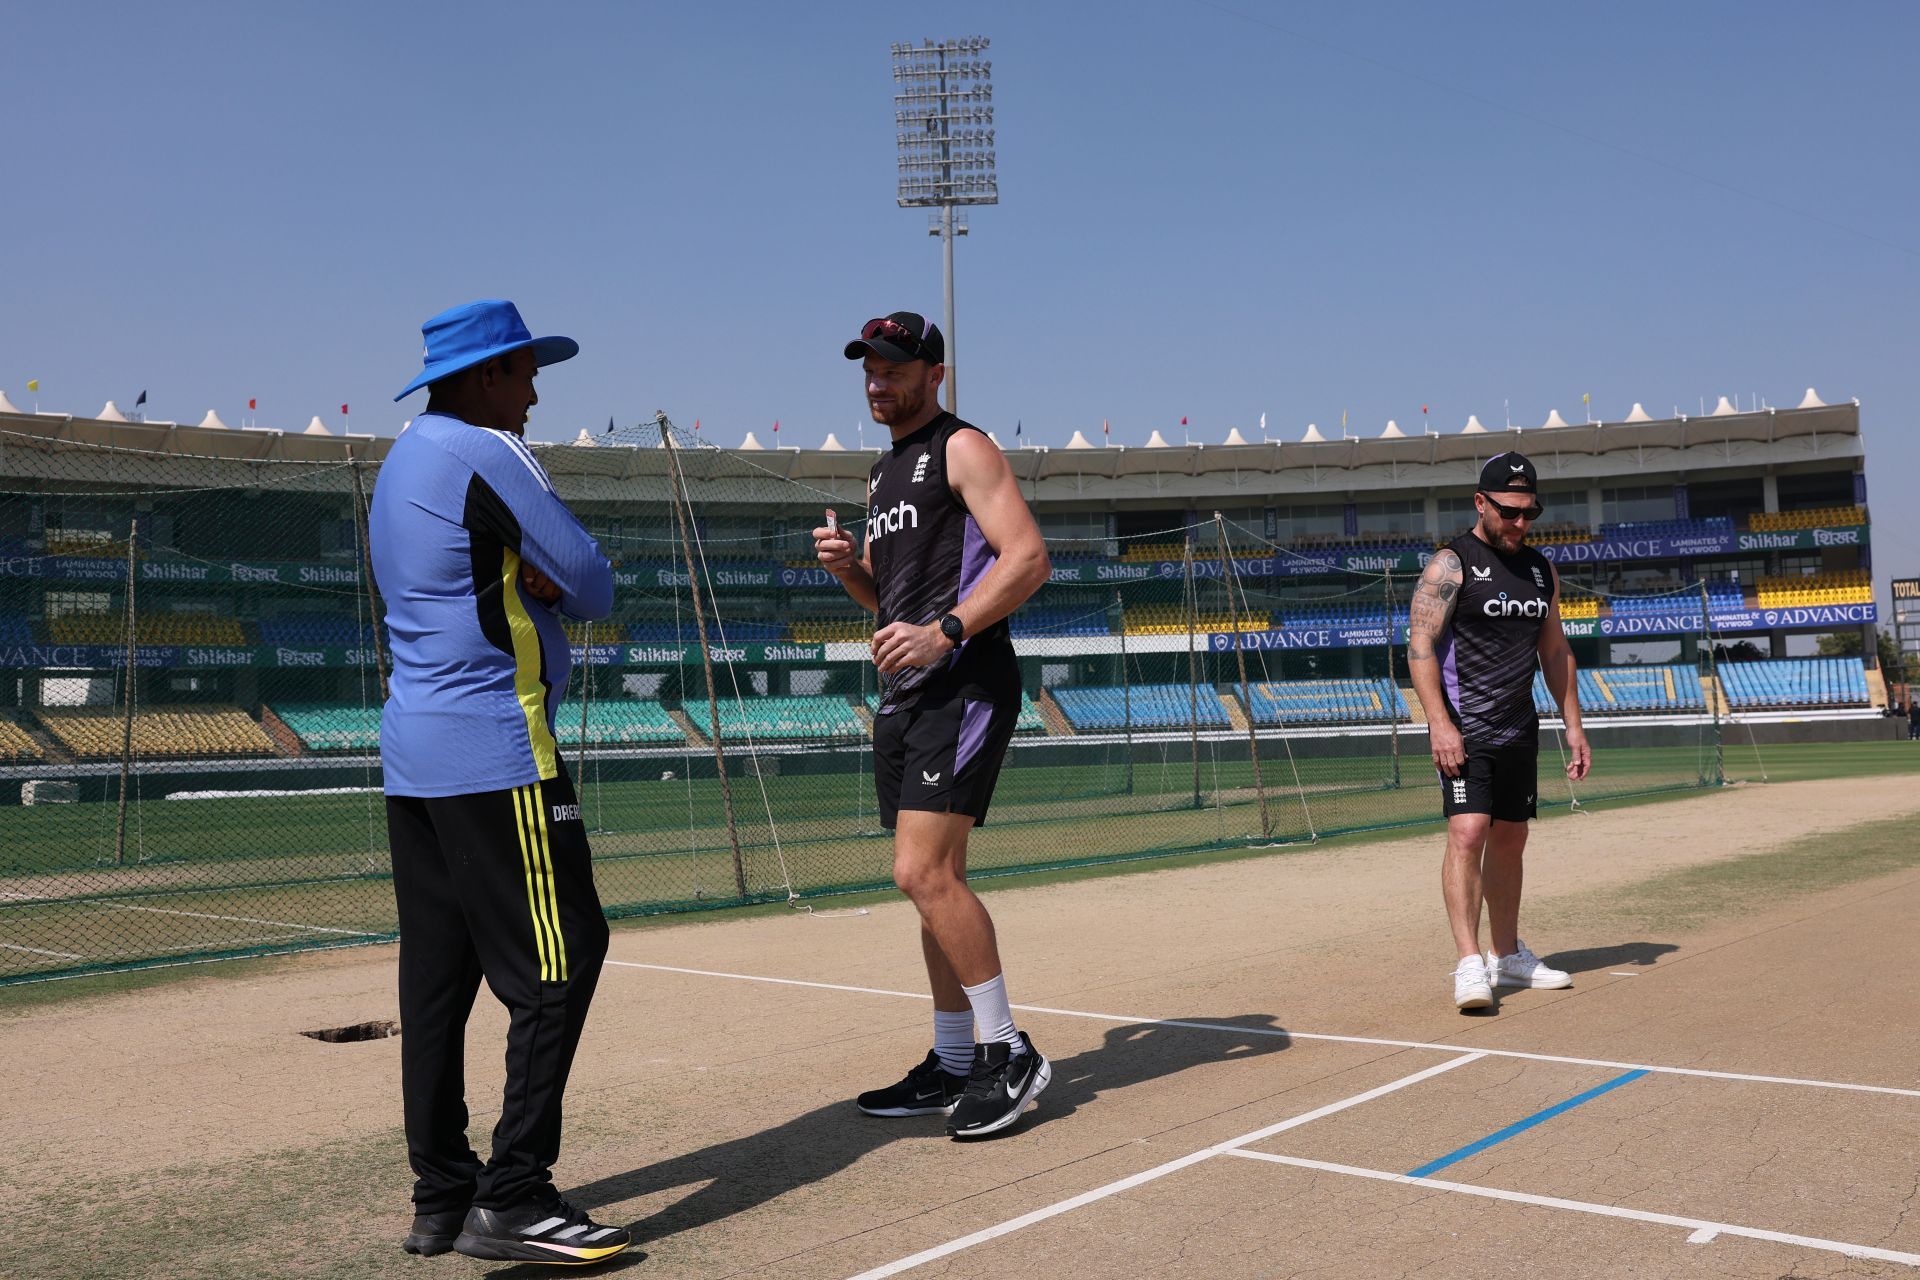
x: 379, y: 1029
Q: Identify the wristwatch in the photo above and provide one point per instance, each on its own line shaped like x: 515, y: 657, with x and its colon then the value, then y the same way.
x: 952, y: 628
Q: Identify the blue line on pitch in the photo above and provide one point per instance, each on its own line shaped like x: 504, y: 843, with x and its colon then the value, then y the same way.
x: 1521, y: 1126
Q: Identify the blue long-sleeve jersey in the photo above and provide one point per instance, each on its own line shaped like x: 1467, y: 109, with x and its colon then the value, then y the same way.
x: 479, y: 666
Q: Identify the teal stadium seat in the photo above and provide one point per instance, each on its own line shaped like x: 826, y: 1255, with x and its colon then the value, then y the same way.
x: 1029, y: 721
x: 791, y: 718
x: 1785, y: 683
x: 617, y: 722
x: 1629, y: 690
x: 329, y: 727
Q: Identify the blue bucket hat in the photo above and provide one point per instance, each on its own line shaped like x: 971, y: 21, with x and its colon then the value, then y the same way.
x: 467, y: 335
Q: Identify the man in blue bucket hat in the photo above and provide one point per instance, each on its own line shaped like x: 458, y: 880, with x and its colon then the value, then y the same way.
x: 477, y: 559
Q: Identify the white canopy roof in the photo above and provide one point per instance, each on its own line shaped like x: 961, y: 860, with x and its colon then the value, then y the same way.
x: 1554, y: 419
x: 833, y: 442
x: 1473, y: 427
x: 1723, y: 409
x: 316, y: 428
x: 212, y: 421
x: 584, y: 440
x: 1157, y: 441
x: 1234, y: 437
x: 1313, y: 435
x: 1079, y: 441
x: 1393, y: 431
x: 111, y: 413
x: 6, y: 405
x: 1808, y: 401
x: 751, y: 442
x: 1639, y: 414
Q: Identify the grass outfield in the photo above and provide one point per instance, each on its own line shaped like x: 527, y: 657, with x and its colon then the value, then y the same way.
x: 264, y: 874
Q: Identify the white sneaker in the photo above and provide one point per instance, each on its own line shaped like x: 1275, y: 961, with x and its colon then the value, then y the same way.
x: 1471, y: 989
x: 1525, y: 969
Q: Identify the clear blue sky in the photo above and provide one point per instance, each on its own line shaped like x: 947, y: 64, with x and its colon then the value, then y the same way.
x: 1209, y: 210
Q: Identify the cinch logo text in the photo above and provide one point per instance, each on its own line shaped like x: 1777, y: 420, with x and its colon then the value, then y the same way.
x: 1509, y: 608
x: 901, y: 515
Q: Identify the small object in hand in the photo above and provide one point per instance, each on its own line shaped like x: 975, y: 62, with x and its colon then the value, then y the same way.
x: 833, y: 521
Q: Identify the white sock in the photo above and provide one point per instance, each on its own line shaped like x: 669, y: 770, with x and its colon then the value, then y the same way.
x: 989, y: 1001
x: 953, y: 1040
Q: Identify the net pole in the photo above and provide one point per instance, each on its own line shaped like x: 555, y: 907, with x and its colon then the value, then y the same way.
x: 126, y: 723
x: 1246, y: 691
x: 1719, y: 690
x: 1393, y: 687
x: 681, y: 516
x: 1126, y: 683
x: 1190, y: 607
x: 366, y: 569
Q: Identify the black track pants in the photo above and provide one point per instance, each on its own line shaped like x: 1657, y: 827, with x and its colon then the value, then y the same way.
x: 497, y: 884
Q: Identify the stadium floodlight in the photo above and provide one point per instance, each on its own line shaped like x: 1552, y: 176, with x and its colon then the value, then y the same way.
x: 943, y: 121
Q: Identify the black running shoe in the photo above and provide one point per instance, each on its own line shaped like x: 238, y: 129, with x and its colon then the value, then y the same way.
x: 929, y: 1089
x: 433, y: 1233
x: 999, y: 1088
x: 548, y: 1230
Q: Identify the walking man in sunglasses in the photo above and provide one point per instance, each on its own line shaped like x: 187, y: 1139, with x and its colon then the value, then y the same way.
x: 951, y: 550
x: 1486, y: 613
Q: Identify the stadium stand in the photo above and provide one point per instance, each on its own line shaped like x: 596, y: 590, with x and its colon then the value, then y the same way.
x: 1171, y: 620
x: 1849, y: 586
x: 1794, y: 682
x: 789, y: 718
x: 830, y: 630
x: 1629, y: 690
x: 1814, y: 518
x: 1559, y: 531
x: 330, y: 727
x: 1088, y: 621
x: 1325, y: 702
x: 1579, y: 606
x: 159, y: 732
x: 17, y: 745
x: 149, y: 628
x: 1336, y: 614
x: 1153, y: 551
x: 315, y: 629
x: 621, y: 722
x: 1155, y: 706
x: 1666, y: 528
x: 686, y: 631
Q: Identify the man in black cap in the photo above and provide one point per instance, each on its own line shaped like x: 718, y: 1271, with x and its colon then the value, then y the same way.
x: 951, y: 550
x: 1486, y: 613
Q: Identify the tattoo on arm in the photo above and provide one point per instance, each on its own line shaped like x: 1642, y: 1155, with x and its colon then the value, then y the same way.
x: 1431, y: 609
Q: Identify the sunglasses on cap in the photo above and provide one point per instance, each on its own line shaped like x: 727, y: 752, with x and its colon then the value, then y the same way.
x: 895, y: 333
x: 1513, y: 513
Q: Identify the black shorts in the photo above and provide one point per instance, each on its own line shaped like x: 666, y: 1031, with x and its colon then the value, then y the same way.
x: 1501, y: 782
x: 943, y: 757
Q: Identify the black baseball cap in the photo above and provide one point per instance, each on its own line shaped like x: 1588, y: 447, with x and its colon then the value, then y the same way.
x: 900, y: 337
x: 1509, y: 473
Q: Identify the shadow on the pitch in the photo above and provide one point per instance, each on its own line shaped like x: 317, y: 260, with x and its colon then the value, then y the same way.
x: 1639, y: 954
x: 741, y: 1173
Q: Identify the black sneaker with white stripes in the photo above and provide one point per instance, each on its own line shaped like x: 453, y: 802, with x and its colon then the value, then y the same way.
x: 1003, y: 1081
x: 549, y: 1230
x: 432, y: 1233
x: 929, y: 1089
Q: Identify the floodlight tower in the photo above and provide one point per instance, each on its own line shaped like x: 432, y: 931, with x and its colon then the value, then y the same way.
x: 943, y: 118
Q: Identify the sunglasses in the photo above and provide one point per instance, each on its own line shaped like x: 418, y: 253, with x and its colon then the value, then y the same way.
x: 892, y: 331
x: 1514, y: 513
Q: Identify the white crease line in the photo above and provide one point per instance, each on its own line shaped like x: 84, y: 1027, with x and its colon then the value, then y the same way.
x: 63, y: 955
x: 1615, y: 973
x: 1284, y: 1033
x: 278, y: 924
x: 1158, y: 1171
x: 1703, y: 1230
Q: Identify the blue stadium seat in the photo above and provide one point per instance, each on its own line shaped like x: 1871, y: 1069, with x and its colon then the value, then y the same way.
x: 1784, y: 683
x: 1155, y: 706
x: 1354, y: 701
